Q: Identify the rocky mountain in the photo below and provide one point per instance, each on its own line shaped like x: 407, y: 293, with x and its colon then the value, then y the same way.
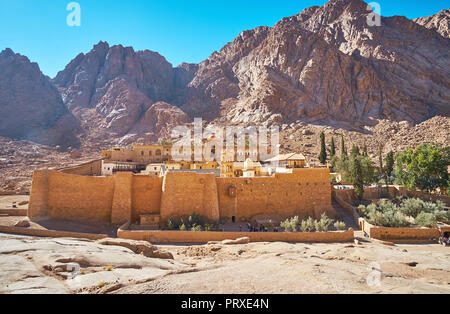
x: 30, y: 106
x: 324, y: 69
x: 326, y: 64
x: 439, y: 22
x: 114, y: 91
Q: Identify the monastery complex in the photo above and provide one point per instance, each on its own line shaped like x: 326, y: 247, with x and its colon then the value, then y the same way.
x: 143, y: 185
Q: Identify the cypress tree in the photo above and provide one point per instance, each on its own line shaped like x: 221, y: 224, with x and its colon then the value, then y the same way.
x: 343, y: 148
x: 390, y: 165
x: 357, y: 176
x: 323, y: 150
x: 365, y: 152
x: 380, y: 161
x: 355, y: 150
x: 332, y: 148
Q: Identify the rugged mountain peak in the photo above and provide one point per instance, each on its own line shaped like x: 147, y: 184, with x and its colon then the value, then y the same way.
x: 439, y: 22
x: 326, y: 63
x: 85, y: 80
x: 30, y: 107
x: 111, y: 88
x: 7, y: 53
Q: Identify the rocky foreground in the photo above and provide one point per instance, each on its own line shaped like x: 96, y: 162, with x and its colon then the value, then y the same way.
x: 37, y: 265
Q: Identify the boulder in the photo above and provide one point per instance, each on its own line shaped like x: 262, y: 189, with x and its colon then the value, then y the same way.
x: 138, y: 247
x: 24, y: 223
x: 244, y: 240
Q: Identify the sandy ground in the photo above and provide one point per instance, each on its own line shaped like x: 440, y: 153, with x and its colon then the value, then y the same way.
x: 8, y: 201
x: 368, y: 267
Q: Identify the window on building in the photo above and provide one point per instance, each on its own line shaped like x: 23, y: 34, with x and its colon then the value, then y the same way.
x: 158, y: 152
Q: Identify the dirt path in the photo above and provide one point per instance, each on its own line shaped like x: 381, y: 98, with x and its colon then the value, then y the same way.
x: 347, y: 218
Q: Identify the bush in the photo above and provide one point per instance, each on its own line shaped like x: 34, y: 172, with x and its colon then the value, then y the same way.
x: 388, y: 214
x: 310, y: 224
x: 288, y: 225
x: 195, y: 223
x: 304, y: 226
x: 442, y: 216
x: 295, y: 222
x: 340, y: 226
x: 323, y: 224
x: 196, y: 220
x: 430, y: 207
x: 196, y: 228
x: 209, y: 227
x: 325, y: 221
x: 427, y: 220
x: 393, y: 219
x: 172, y: 225
x: 385, y: 214
x: 412, y: 207
x: 270, y: 226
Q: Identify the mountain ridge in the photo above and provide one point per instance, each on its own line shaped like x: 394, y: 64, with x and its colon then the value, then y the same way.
x: 322, y: 65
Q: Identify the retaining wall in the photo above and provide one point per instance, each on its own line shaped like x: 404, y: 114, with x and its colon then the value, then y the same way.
x: 383, y: 233
x: 205, y: 237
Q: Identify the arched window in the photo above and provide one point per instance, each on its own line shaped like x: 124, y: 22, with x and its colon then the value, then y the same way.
x: 158, y: 152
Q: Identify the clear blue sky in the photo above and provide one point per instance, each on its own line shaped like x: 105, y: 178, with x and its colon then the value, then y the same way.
x: 180, y: 30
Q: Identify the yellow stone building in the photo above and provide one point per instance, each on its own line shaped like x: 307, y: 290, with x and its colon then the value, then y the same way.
x: 292, y: 160
x: 147, y: 154
x: 229, y: 167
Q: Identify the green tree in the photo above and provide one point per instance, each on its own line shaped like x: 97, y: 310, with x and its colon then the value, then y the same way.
x: 425, y: 167
x: 358, y: 170
x: 332, y: 148
x: 365, y: 152
x: 382, y: 171
x: 357, y: 176
x: 343, y: 148
x: 367, y: 169
x: 323, y: 149
x: 355, y: 151
x: 380, y: 162
x: 390, y: 162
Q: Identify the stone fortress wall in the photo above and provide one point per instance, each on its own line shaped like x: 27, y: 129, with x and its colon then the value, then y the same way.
x: 123, y: 197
